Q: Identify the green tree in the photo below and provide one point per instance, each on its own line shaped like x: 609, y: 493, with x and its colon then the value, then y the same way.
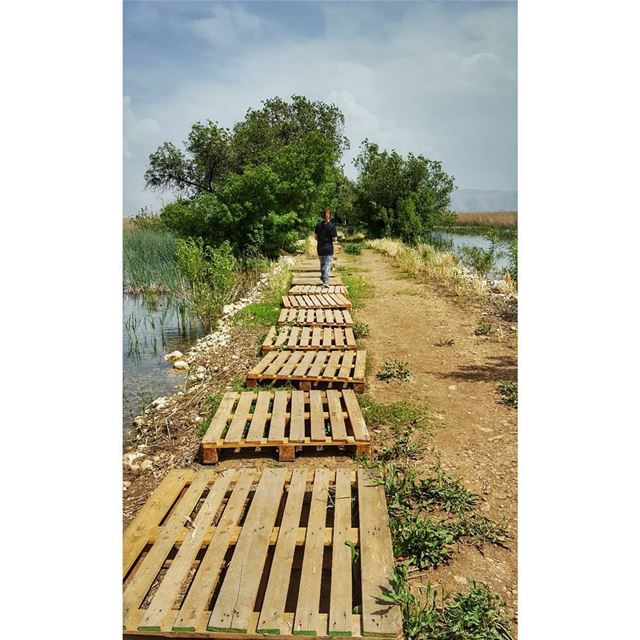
x: 399, y: 197
x: 261, y: 186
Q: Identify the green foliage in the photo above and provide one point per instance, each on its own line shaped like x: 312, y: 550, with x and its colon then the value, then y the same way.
x: 353, y: 248
x: 475, y: 614
x: 483, y: 329
x: 213, y: 274
x: 508, y: 393
x: 399, y: 197
x: 258, y: 314
x: 429, y: 515
x: 260, y: 186
x: 396, y: 415
x: 150, y: 263
x: 512, y: 270
x: 394, y: 369
x: 359, y: 289
x: 481, y: 260
x: 360, y: 329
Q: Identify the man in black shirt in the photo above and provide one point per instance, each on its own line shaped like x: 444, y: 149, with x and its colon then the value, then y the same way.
x: 326, y: 235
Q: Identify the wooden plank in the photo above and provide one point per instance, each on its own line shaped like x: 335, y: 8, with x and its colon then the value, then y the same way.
x: 150, y: 515
x: 237, y: 596
x: 206, y: 577
x: 331, y: 316
x: 317, y: 336
x: 240, y: 417
x: 221, y: 418
x: 277, y: 364
x: 259, y: 420
x: 294, y: 334
x: 333, y: 364
x: 310, y: 578
x: 344, y: 373
x: 278, y: 417
x: 358, y: 424
x: 338, y: 428
x: 340, y: 623
x: 318, y: 364
x: 338, y: 337
x: 376, y: 559
x: 304, y: 365
x: 167, y: 592
x: 316, y: 417
x: 153, y: 561
x: 327, y: 338
x: 282, y: 337
x: 270, y: 620
x: 263, y: 364
x: 292, y: 362
x: 305, y: 338
x: 346, y: 317
x: 296, y: 424
x: 361, y: 359
x: 350, y: 337
x: 270, y: 339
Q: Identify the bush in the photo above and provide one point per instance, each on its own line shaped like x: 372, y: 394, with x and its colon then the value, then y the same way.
x: 353, y: 248
x: 213, y: 274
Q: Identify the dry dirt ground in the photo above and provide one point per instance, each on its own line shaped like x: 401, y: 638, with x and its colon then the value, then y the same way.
x: 474, y: 433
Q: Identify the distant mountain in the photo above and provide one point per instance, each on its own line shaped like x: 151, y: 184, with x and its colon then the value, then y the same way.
x: 481, y: 200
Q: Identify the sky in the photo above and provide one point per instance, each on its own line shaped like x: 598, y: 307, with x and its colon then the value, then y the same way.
x: 432, y: 78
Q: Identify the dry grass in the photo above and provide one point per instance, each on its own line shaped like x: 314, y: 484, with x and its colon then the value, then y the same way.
x: 426, y: 263
x: 489, y: 218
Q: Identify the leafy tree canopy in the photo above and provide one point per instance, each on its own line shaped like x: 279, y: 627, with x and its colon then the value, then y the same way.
x: 262, y: 185
x: 399, y: 197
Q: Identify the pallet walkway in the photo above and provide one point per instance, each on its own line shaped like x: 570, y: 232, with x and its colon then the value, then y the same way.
x: 306, y: 289
x: 286, y: 421
x: 308, y: 279
x: 308, y: 337
x: 320, y: 317
x: 335, y: 369
x: 324, y: 301
x: 252, y: 554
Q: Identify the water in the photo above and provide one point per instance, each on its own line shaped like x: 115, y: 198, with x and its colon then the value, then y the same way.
x: 150, y: 332
x: 454, y: 242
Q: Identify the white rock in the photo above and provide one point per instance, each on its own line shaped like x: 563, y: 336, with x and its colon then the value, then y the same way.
x: 460, y: 579
x: 147, y: 464
x: 159, y: 402
x: 174, y: 355
x: 129, y: 459
x: 181, y: 365
x: 198, y: 418
x: 201, y: 369
x: 452, y: 387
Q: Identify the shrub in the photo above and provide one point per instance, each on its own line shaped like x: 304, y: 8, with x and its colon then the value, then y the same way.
x: 353, y: 248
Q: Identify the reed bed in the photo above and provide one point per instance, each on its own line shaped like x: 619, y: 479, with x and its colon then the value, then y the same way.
x: 488, y: 218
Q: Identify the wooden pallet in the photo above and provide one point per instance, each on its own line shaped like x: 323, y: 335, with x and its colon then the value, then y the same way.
x: 294, y: 337
x: 307, y: 266
x: 286, y: 420
x: 314, y: 289
x: 306, y: 279
x: 336, y: 369
x: 320, y: 317
x: 324, y: 301
x: 252, y: 554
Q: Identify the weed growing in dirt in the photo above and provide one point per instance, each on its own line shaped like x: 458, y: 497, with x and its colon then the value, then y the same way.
x: 483, y: 329
x: 258, y: 314
x: 508, y: 393
x: 353, y: 248
x: 475, y: 614
x: 358, y: 288
x: 394, y: 369
x: 404, y: 447
x: 396, y: 415
x: 443, y: 343
x: 213, y: 402
x: 429, y: 515
x: 360, y: 329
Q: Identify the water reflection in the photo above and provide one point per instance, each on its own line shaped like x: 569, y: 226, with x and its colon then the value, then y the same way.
x: 150, y: 330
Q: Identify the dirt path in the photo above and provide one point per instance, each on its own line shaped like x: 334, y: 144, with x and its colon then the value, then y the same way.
x: 476, y: 435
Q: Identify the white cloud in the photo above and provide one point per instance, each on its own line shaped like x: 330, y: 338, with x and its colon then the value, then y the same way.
x: 139, y: 133
x: 435, y: 82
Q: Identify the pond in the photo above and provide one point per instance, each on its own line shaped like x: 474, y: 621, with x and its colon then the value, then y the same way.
x: 455, y: 242
x: 149, y: 332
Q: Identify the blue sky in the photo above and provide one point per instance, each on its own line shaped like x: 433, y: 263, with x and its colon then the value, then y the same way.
x: 436, y: 78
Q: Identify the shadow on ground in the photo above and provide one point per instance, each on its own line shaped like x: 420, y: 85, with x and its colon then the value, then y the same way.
x: 495, y: 368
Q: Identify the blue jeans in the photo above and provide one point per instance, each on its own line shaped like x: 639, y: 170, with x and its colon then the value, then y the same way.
x: 325, y: 267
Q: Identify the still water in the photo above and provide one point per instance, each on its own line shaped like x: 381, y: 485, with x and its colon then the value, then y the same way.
x: 457, y: 241
x: 149, y: 332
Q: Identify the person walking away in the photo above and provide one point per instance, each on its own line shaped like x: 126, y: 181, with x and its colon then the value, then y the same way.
x: 325, y: 235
